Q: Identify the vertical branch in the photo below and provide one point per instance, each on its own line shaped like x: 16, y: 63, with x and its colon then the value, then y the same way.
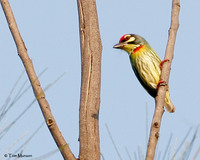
x: 156, y: 123
x: 90, y: 83
x: 38, y: 91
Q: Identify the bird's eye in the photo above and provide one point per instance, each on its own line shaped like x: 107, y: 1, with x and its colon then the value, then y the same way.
x: 127, y: 38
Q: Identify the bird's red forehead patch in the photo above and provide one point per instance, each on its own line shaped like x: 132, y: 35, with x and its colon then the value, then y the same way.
x: 123, y: 38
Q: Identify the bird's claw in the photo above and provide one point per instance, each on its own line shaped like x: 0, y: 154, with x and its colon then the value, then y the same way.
x: 161, y: 63
x: 161, y: 83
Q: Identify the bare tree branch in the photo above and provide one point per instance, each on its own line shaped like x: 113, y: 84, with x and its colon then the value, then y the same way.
x: 38, y: 91
x: 91, y: 78
x: 155, y: 126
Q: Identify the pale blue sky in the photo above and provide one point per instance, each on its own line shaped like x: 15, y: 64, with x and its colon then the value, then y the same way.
x: 51, y: 34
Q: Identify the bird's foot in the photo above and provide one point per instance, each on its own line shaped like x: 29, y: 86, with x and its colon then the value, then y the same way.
x: 161, y: 83
x: 161, y: 63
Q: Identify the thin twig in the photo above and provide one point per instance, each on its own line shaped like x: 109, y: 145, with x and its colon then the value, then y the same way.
x: 196, y: 153
x: 113, y: 142
x: 22, y: 147
x: 3, y: 108
x: 13, y: 144
x: 5, y: 130
x: 175, y: 145
x: 140, y: 153
x: 128, y: 153
x: 135, y: 155
x: 19, y: 94
x: 183, y: 141
x: 38, y: 91
x: 156, y: 123
x: 188, y: 151
x: 167, y: 147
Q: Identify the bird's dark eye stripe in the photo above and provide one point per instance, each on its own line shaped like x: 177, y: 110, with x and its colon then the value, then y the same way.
x: 131, y: 42
x: 123, y: 40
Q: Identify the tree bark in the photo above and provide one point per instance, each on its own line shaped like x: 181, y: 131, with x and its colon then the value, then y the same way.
x: 156, y: 122
x: 90, y: 83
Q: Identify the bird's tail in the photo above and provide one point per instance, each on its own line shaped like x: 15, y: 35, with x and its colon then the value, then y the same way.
x: 168, y: 104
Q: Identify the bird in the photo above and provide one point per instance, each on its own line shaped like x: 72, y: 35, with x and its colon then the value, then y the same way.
x: 146, y: 65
